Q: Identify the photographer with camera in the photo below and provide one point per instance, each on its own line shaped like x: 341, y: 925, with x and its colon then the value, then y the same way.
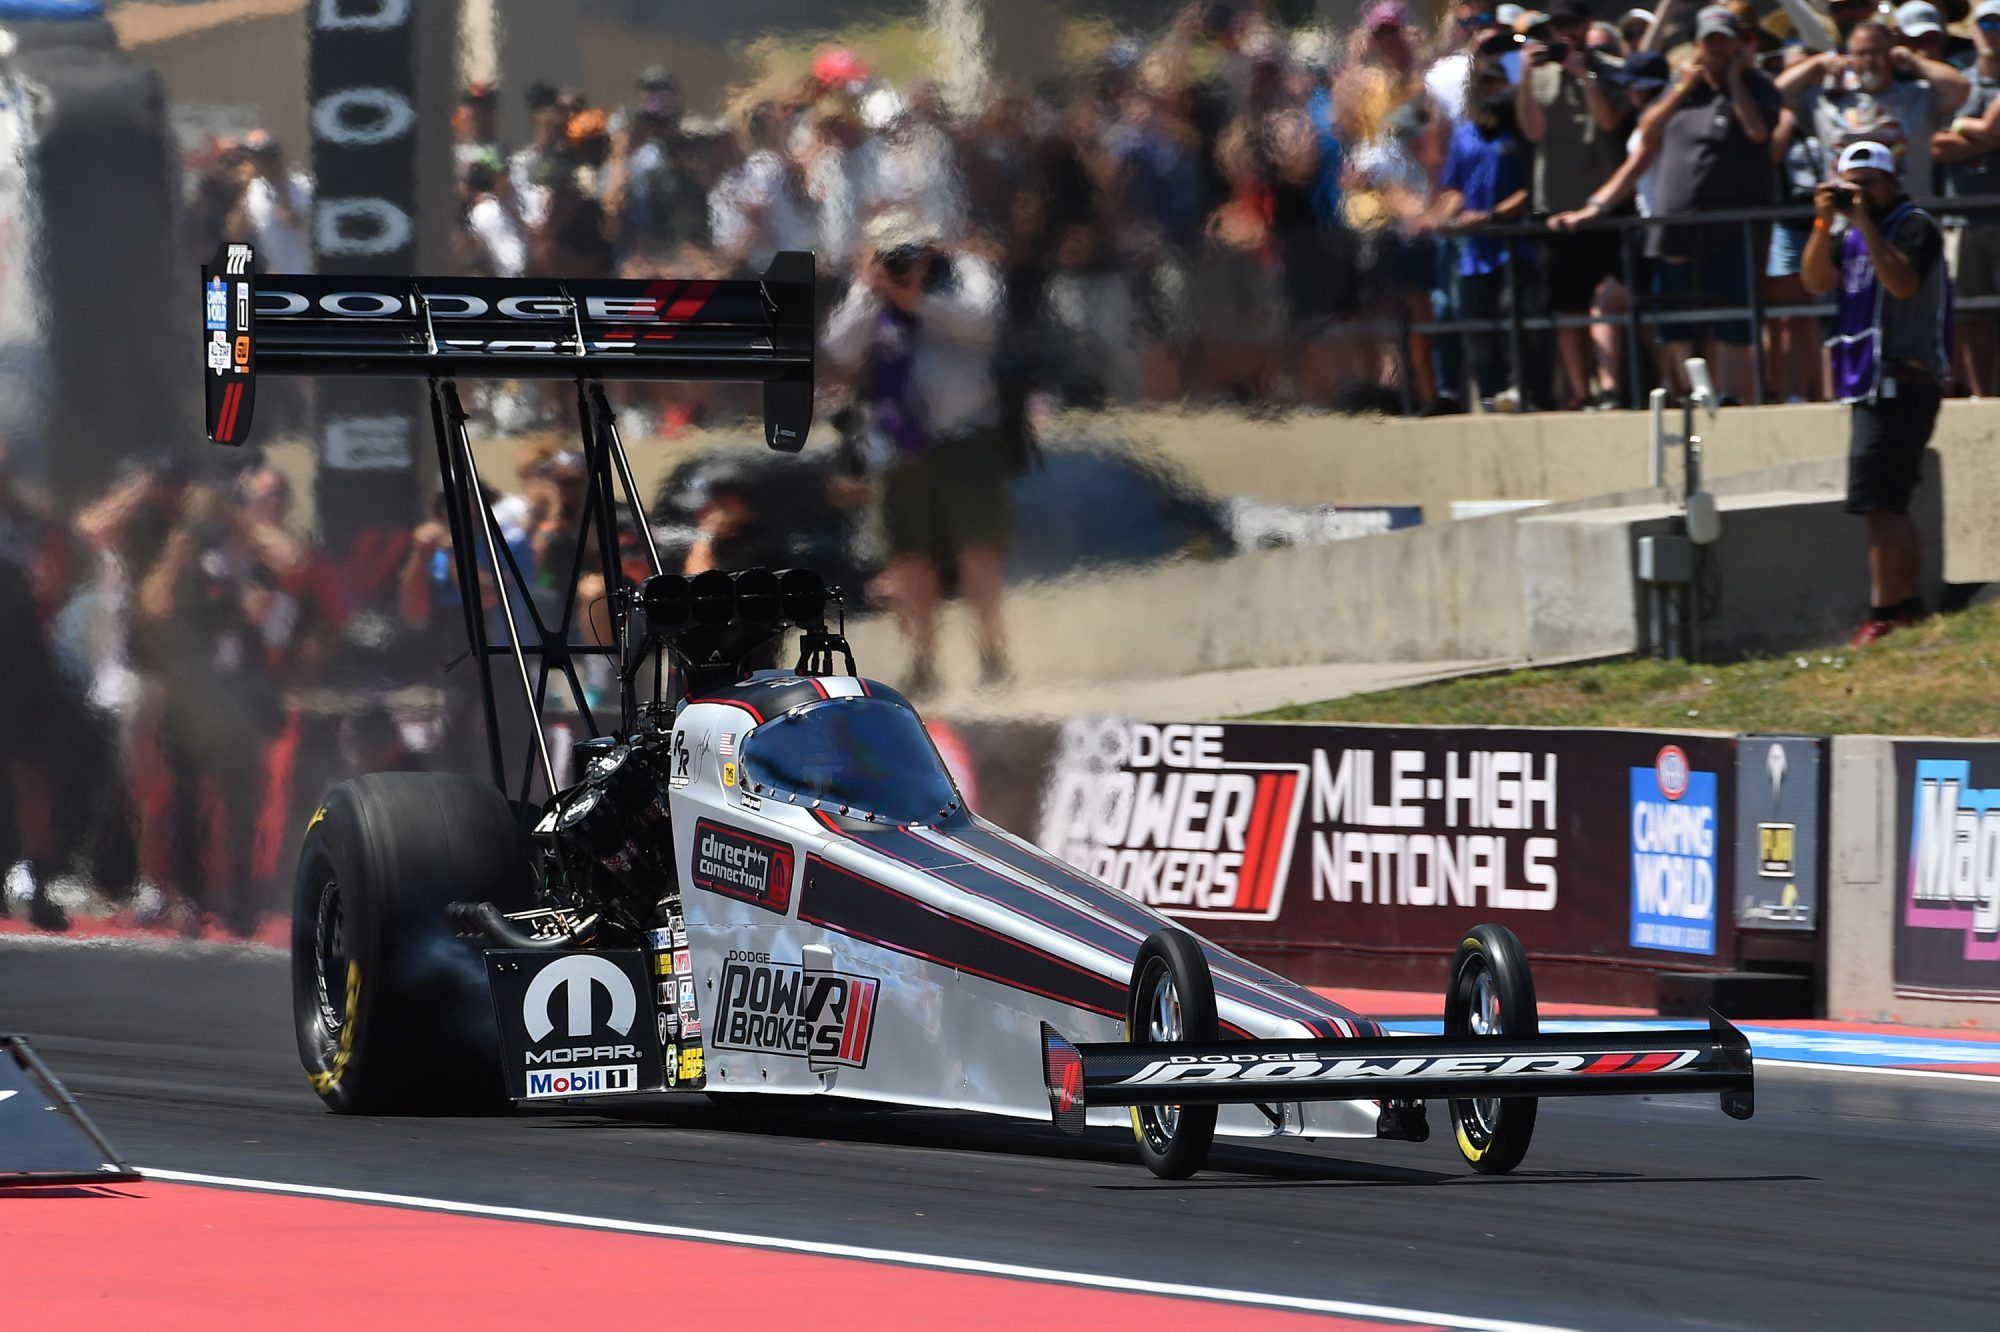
x: 915, y: 335
x: 1890, y: 351
x: 1576, y: 122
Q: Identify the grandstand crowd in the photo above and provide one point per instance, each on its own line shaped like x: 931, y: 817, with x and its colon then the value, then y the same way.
x: 1227, y: 210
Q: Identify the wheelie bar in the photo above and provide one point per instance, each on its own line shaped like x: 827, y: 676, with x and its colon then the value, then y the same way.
x: 1598, y: 1063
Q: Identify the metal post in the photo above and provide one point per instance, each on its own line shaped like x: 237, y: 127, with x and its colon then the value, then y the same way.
x: 607, y: 422
x: 1656, y: 470
x: 1756, y: 315
x: 488, y: 531
x: 1514, y: 325
x: 464, y: 566
x: 1404, y: 360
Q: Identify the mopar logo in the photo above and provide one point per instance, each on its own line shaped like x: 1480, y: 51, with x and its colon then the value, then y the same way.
x: 581, y: 1054
x: 577, y: 975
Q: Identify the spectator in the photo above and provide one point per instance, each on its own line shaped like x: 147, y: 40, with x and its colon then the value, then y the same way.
x: 760, y: 208
x: 1486, y: 179
x: 498, y: 242
x: 1920, y: 27
x: 1712, y: 132
x: 1566, y: 109
x: 916, y: 333
x: 277, y: 206
x: 1792, y: 354
x: 545, y: 149
x: 1879, y: 93
x: 473, y: 133
x: 1970, y: 152
x: 1890, y: 356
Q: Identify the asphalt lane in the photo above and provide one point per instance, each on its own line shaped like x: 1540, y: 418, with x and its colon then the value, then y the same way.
x: 1850, y: 1200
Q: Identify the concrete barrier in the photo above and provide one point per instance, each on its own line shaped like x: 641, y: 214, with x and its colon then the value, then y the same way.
x: 1892, y: 954
x: 1308, y: 459
x: 1552, y: 583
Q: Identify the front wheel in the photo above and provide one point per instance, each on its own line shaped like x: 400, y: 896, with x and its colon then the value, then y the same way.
x: 1172, y: 999
x: 392, y: 1009
x: 1491, y: 993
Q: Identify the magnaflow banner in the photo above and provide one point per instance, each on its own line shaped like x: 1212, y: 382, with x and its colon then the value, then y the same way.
x: 1593, y: 844
x: 1947, y: 921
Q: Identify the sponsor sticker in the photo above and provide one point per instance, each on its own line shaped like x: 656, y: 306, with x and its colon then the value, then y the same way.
x: 683, y: 963
x: 729, y: 774
x: 660, y: 941
x: 681, y: 772
x: 218, y: 352
x: 690, y: 1065
x: 583, y: 1081
x: 663, y: 964
x: 215, y: 306
x: 778, y: 1008
x: 742, y: 865
x: 1777, y: 850
x: 1674, y: 830
x: 571, y: 1022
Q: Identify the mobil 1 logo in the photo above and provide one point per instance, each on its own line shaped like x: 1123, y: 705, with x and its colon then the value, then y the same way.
x: 813, y: 1013
x: 572, y: 1024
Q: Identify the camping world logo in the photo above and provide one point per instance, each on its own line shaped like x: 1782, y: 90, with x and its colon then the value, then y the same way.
x: 1158, y: 813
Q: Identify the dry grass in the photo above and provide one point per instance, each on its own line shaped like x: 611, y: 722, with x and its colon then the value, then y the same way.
x: 1939, y: 678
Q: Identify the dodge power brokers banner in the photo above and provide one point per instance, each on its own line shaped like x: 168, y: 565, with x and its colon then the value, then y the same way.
x: 1590, y: 843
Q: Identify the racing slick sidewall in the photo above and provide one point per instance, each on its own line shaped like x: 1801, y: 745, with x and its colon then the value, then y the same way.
x: 407, y: 1025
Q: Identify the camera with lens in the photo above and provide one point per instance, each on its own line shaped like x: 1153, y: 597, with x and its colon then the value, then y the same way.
x: 903, y: 260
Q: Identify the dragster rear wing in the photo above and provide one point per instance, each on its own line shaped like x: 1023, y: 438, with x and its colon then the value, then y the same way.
x: 753, y: 330
x: 1598, y: 1063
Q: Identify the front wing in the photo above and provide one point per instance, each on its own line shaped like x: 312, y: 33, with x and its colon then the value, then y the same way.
x: 1607, y: 1063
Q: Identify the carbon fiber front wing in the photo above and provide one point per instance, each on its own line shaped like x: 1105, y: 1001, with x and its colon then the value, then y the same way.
x: 1600, y: 1063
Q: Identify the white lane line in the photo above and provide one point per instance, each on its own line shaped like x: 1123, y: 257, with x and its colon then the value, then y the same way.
x: 940, y: 1262
x: 1877, y: 1070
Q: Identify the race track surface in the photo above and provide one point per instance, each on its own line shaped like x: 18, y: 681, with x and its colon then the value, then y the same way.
x: 1851, y: 1200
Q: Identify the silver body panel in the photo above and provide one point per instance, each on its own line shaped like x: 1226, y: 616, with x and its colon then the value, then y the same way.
x: 938, y: 1035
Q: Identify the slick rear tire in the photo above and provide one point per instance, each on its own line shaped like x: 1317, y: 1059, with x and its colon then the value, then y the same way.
x: 1492, y: 993
x: 1172, y: 999
x: 392, y: 1009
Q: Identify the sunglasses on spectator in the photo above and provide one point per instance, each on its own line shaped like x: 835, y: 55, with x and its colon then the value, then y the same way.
x: 1989, y: 24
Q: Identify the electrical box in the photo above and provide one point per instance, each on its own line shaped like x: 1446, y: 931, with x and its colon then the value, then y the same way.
x: 1665, y: 559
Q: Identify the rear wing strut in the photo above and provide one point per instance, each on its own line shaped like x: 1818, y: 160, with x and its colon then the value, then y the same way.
x: 1598, y: 1063
x: 757, y: 330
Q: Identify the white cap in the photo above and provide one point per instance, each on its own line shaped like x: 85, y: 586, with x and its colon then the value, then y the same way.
x: 1867, y: 154
x: 1917, y: 17
x: 1505, y: 15
x: 1986, y: 9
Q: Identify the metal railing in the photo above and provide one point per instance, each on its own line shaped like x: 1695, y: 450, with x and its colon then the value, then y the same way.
x: 1639, y: 316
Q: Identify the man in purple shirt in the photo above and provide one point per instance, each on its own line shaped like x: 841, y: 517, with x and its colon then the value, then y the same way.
x: 1890, y: 351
